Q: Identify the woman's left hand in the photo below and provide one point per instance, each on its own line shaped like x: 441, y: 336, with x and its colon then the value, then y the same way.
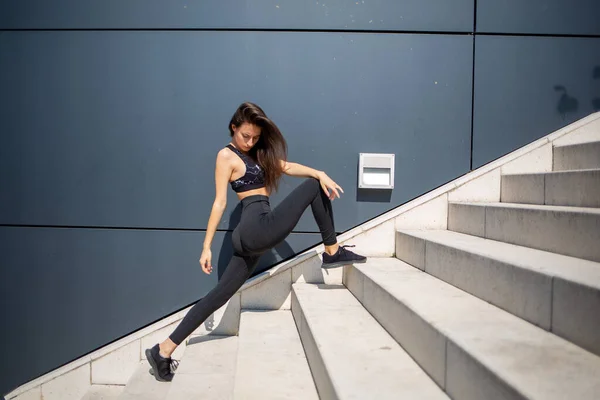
x: 328, y: 184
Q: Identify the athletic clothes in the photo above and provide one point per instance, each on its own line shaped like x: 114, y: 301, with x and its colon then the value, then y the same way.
x: 254, y: 178
x: 260, y: 229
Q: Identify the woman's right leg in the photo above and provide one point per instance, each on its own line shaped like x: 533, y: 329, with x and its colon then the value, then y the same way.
x: 237, y: 271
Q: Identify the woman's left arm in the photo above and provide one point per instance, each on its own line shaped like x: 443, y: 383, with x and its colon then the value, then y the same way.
x: 299, y: 170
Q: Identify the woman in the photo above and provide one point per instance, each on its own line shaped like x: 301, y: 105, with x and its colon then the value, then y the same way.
x: 253, y: 163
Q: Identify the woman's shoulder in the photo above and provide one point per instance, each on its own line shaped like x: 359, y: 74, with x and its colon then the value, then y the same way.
x: 225, y: 155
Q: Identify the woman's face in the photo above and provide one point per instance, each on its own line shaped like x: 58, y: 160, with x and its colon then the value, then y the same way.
x: 246, y: 136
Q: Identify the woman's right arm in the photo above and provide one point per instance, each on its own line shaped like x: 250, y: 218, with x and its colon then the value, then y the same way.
x: 223, y: 170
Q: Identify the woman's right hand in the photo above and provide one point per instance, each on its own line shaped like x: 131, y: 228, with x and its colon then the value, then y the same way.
x: 205, y: 260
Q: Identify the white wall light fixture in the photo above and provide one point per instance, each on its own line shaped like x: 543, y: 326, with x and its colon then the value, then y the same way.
x: 375, y: 171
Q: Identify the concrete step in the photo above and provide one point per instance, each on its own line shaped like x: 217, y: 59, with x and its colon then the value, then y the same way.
x: 556, y: 292
x: 103, y: 392
x: 350, y: 355
x: 576, y: 156
x: 471, y: 348
x: 143, y: 386
x: 206, y: 370
x: 572, y: 231
x: 271, y: 363
x: 566, y: 188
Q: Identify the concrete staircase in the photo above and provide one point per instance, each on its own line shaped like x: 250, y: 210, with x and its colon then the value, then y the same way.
x: 485, y: 288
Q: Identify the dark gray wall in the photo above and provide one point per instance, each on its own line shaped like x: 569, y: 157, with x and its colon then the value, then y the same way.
x: 122, y: 129
x: 527, y: 87
x: 558, y: 17
x: 108, y: 137
x: 416, y: 15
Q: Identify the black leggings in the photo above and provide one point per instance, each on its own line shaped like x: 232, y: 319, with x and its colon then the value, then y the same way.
x: 259, y: 230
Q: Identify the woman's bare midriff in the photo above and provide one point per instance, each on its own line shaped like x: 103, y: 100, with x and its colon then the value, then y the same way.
x: 253, y: 192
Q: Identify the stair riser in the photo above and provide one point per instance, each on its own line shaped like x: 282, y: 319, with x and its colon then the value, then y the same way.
x: 429, y: 347
x: 465, y: 370
x: 577, y: 189
x: 575, y: 314
x: 581, y: 156
x: 568, y: 309
x: 574, y: 234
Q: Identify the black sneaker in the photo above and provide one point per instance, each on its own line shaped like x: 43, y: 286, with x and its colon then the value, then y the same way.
x: 342, y: 257
x: 162, y: 368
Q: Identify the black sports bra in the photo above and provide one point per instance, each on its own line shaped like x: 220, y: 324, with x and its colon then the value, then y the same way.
x: 254, y: 178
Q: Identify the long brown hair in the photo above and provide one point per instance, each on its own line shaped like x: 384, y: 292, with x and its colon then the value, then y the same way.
x: 271, y: 147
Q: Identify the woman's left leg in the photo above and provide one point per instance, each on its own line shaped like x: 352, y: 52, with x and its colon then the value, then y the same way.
x: 282, y: 220
x: 277, y: 224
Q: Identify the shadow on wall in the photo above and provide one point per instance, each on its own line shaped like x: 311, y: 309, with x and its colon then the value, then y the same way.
x: 374, y: 195
x: 568, y: 104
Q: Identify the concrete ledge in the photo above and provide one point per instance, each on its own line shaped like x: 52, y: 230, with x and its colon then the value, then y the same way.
x: 310, y: 271
x: 270, y: 294
x: 70, y: 386
x: 537, y: 160
x: 482, y: 188
x: 432, y: 214
x: 223, y: 322
x: 589, y: 132
x: 32, y: 394
x: 118, y: 366
x: 375, y: 242
x: 575, y: 127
